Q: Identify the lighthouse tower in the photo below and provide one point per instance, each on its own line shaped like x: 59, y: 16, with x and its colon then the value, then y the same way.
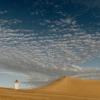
x: 16, y: 86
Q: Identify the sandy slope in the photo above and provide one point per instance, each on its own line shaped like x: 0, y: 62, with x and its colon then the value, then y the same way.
x: 64, y: 88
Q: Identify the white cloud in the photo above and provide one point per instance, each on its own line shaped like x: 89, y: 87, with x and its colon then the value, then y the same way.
x: 65, y: 48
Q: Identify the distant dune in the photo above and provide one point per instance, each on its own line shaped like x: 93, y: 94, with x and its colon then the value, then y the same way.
x: 65, y: 88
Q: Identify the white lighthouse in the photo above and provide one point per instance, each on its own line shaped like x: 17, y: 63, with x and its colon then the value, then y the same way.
x: 16, y: 85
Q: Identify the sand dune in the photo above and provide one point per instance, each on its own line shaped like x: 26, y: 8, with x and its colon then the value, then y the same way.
x: 65, y: 88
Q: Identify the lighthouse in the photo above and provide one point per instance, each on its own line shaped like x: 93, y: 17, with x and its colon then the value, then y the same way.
x: 16, y: 85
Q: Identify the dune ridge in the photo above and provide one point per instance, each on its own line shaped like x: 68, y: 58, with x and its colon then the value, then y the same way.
x: 64, y: 88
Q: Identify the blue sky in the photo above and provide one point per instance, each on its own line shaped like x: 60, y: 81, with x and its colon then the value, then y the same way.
x: 49, y: 38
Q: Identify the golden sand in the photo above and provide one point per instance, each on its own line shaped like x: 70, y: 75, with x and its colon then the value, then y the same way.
x: 65, y: 88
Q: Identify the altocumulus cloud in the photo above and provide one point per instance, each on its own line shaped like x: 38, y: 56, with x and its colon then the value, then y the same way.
x: 55, y: 45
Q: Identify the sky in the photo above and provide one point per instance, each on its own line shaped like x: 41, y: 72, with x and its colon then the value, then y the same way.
x: 41, y: 40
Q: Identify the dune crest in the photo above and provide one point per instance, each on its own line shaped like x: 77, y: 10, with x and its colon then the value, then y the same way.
x: 74, y: 87
x: 64, y: 88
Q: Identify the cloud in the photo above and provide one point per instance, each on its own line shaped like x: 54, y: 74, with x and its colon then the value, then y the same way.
x: 58, y: 52
x: 9, y: 22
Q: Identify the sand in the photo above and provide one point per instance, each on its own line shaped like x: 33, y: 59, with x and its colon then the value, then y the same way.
x: 65, y: 88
